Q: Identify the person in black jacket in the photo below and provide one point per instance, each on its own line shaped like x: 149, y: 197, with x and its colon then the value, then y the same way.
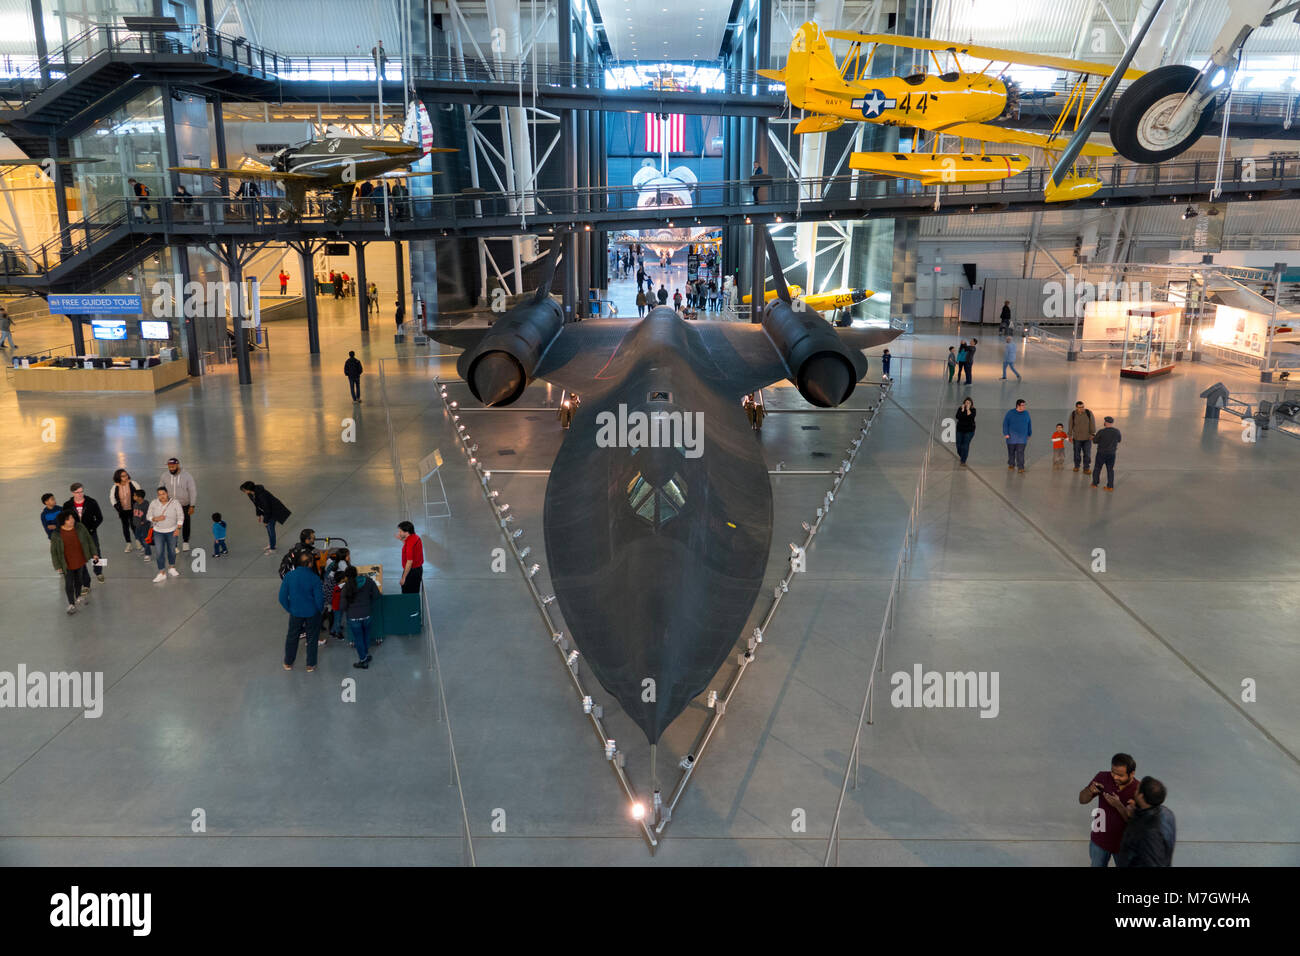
x: 270, y: 510
x: 965, y: 429
x: 87, y: 511
x: 358, y: 599
x: 352, y: 369
x: 970, y: 359
x: 1151, y: 831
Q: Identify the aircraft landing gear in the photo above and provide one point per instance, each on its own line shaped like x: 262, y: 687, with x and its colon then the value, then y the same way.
x: 1140, y: 124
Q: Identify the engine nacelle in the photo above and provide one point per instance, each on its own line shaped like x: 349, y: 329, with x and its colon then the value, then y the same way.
x: 823, y: 368
x: 501, y: 365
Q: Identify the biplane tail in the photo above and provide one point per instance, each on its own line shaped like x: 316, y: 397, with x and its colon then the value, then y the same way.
x: 810, y: 69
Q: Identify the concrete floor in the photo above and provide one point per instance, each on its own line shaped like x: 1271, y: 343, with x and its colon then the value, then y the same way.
x: 1199, y: 594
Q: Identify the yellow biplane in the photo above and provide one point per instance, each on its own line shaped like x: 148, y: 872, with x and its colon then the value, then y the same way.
x: 821, y: 301
x: 951, y: 102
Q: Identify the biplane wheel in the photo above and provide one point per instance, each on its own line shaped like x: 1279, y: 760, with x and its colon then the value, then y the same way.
x: 1135, y: 128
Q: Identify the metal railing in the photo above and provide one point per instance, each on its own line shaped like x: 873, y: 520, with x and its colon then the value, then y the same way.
x: 719, y: 702
x: 404, y: 513
x: 27, y: 79
x: 886, y: 628
x: 569, y: 658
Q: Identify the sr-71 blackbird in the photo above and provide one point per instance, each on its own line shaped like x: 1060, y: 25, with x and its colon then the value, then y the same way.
x: 658, y: 511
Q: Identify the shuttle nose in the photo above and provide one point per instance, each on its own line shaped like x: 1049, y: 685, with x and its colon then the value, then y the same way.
x: 497, y: 379
x: 826, y: 380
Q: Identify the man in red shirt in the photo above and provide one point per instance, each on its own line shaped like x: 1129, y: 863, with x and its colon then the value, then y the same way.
x: 1114, y: 791
x: 413, y: 560
x: 284, y: 282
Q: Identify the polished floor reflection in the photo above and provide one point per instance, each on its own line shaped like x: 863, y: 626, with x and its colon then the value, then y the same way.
x: 1198, y: 596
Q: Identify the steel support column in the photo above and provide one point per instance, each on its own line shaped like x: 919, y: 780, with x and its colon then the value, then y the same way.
x: 568, y: 137
x: 235, y: 275
x: 363, y: 296
x: 400, y: 256
x: 305, y: 253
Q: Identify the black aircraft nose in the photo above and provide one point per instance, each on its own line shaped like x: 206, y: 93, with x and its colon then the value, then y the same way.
x: 826, y: 380
x: 497, y: 379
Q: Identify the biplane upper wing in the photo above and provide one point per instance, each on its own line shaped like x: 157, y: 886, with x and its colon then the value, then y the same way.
x: 985, y: 53
x: 1020, y: 137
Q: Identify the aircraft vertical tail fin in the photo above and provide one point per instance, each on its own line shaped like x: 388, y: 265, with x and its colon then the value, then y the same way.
x: 810, y: 64
x: 778, y: 275
x: 548, y: 269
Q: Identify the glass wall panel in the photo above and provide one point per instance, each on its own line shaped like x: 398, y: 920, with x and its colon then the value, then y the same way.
x: 132, y: 144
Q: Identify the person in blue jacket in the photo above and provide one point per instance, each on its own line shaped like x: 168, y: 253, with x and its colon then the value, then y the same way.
x: 1016, y: 429
x: 50, y: 512
x: 301, y: 595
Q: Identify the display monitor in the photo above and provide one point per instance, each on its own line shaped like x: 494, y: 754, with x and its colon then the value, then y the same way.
x: 155, y: 330
x: 111, y: 329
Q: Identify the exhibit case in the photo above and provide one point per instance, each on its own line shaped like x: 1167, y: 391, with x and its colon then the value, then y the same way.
x: 1149, y: 346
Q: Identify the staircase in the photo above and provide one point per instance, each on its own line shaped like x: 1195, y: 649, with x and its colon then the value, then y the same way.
x: 99, y: 70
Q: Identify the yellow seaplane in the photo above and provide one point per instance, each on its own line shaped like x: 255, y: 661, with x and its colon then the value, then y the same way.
x: 821, y: 301
x: 951, y: 102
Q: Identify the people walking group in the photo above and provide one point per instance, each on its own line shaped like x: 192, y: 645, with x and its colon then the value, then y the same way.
x: 1017, y: 428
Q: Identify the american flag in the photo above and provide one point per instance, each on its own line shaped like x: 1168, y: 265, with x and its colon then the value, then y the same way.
x: 674, y: 128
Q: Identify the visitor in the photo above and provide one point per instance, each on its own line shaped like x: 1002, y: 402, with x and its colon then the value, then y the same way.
x: 884, y: 364
x: 331, y: 584
x: 373, y: 295
x: 87, y: 511
x: 71, y: 549
x: 181, y: 488
x: 352, y: 369
x: 952, y: 362
x: 1112, y: 790
x: 357, y: 600
x: 1151, y: 830
x: 219, y: 546
x: 166, y: 515
x: 970, y: 358
x: 1009, y: 359
x: 140, y: 522
x: 1016, y: 429
x: 1005, y: 327
x: 6, y: 329
x: 640, y: 303
x: 50, y: 512
x: 965, y: 428
x: 284, y: 282
x: 1082, y: 429
x: 301, y: 596
x: 270, y: 511
x: 122, y: 495
x: 412, y: 558
x: 758, y: 171
x: 1058, y: 446
x: 677, y: 301
x: 1108, y: 440
x: 662, y: 295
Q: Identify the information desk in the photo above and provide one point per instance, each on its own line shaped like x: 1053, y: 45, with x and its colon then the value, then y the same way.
x: 45, y: 377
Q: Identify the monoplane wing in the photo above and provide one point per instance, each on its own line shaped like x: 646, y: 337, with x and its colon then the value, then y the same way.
x: 267, y: 175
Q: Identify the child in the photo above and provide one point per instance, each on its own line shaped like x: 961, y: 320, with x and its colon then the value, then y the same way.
x: 49, y: 514
x: 1058, y: 446
x: 140, y: 521
x: 952, y: 362
x: 218, y: 536
x: 884, y: 363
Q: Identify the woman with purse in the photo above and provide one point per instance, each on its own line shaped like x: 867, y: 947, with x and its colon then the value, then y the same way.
x: 122, y: 494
